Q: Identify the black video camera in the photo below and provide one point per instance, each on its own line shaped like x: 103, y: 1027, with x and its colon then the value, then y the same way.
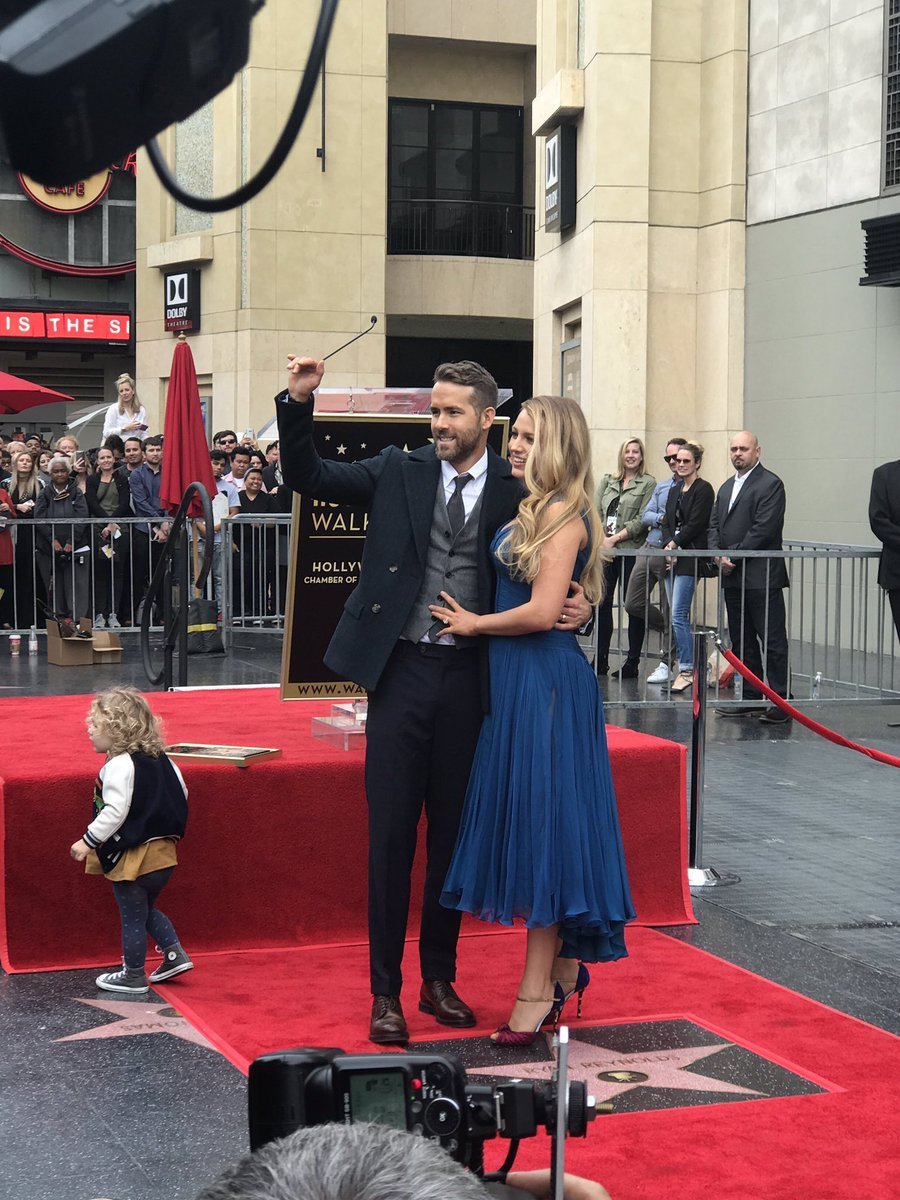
x: 84, y: 82
x: 425, y: 1094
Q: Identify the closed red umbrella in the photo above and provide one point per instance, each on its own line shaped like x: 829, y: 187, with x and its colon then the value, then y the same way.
x: 16, y: 395
x: 185, y: 454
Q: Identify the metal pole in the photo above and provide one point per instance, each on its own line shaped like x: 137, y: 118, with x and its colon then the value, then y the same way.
x: 699, y: 876
x: 184, y: 599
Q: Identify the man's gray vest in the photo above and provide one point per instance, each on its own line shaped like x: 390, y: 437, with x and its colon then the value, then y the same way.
x: 451, y: 566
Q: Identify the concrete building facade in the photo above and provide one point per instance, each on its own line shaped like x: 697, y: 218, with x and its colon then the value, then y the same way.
x: 407, y: 196
x: 822, y: 352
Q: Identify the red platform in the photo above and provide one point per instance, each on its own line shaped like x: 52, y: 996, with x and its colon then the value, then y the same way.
x: 275, y: 855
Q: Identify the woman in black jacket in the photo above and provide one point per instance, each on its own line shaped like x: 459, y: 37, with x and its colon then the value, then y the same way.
x: 61, y: 534
x: 24, y: 488
x: 686, y: 527
x: 108, y: 496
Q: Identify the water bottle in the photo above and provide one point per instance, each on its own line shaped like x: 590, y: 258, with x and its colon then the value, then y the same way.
x: 32, y: 641
x: 817, y: 683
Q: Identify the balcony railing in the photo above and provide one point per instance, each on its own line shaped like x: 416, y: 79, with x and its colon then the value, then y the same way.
x: 469, y: 228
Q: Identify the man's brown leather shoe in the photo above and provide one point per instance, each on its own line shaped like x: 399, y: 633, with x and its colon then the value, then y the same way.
x: 438, y: 998
x: 388, y: 1024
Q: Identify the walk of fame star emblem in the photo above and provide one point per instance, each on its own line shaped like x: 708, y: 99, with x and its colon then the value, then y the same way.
x: 669, y: 1063
x: 136, y: 1017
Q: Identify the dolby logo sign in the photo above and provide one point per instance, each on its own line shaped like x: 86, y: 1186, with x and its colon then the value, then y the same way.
x: 182, y: 301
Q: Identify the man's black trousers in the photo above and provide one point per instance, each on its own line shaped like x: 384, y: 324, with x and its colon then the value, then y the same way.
x: 422, y: 728
x: 756, y: 623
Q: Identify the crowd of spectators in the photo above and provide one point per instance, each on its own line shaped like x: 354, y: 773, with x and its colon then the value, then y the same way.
x: 82, y: 530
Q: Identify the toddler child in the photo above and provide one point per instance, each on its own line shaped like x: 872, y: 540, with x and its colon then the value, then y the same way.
x: 140, y: 812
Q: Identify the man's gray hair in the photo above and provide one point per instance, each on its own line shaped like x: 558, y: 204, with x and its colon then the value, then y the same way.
x: 347, y: 1162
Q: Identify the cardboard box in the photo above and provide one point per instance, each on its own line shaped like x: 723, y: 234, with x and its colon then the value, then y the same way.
x: 103, y: 647
x: 107, y: 647
x: 69, y: 652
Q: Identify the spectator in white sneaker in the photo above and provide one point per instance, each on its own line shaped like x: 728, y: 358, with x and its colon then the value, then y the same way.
x: 651, y: 571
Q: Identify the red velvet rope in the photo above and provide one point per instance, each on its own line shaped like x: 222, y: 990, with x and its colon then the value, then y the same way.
x: 821, y: 730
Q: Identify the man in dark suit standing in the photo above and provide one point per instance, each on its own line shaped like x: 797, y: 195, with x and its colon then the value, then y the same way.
x: 432, y: 514
x: 884, y: 520
x: 749, y: 515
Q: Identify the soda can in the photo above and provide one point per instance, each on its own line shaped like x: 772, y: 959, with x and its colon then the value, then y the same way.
x: 15, y: 644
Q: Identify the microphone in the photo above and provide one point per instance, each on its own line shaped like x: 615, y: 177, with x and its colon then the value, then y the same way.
x: 373, y: 321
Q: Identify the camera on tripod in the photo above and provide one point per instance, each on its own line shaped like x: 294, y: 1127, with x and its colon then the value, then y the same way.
x: 426, y: 1094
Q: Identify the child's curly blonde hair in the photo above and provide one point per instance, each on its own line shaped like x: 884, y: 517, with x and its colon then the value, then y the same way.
x: 124, y: 714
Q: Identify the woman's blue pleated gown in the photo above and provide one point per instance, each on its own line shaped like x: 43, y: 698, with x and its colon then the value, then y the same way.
x: 539, y: 839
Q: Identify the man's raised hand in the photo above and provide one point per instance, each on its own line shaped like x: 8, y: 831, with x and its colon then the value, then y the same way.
x: 304, y: 376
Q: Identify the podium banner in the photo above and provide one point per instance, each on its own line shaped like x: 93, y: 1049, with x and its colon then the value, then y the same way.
x: 327, y: 544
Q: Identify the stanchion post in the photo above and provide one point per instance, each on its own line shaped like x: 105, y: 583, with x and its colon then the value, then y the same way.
x: 698, y: 875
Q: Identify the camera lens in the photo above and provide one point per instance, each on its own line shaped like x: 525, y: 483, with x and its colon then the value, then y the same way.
x: 442, y: 1117
x: 437, y: 1075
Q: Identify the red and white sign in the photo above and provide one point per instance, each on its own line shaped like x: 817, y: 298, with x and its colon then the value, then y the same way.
x: 90, y: 327
x: 66, y: 326
x: 22, y: 325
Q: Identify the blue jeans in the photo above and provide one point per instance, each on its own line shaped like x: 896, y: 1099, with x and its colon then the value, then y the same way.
x: 680, y: 590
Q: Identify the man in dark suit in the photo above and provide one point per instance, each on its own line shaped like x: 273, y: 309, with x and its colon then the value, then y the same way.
x: 749, y: 515
x: 432, y: 514
x: 884, y: 520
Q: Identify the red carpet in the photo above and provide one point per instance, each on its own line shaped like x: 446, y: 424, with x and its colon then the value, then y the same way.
x: 834, y: 1145
x: 275, y: 855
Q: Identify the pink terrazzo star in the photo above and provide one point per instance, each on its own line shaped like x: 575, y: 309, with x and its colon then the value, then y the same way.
x: 623, y: 1072
x: 138, y: 1018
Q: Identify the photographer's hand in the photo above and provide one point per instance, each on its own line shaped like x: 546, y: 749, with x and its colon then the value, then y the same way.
x: 537, y: 1183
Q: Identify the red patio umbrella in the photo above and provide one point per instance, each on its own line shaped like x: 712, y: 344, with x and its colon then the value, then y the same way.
x: 16, y: 395
x: 186, y: 454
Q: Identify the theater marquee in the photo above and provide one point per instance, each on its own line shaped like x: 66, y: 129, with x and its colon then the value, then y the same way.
x: 95, y: 329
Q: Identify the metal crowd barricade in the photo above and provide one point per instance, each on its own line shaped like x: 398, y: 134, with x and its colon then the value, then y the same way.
x: 82, y: 583
x: 251, y: 592
x: 840, y: 632
x: 254, y: 581
x: 841, y: 644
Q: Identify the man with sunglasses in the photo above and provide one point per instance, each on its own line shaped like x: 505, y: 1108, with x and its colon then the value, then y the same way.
x: 650, y: 570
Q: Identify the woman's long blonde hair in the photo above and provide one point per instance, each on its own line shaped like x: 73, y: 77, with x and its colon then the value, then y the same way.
x: 125, y: 715
x: 135, y: 406
x: 32, y: 481
x: 560, y: 486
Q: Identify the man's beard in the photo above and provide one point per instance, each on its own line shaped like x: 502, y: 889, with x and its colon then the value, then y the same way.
x: 459, y: 448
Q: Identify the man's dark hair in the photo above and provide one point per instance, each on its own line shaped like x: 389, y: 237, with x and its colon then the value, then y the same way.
x: 243, y: 450
x: 218, y: 456
x: 676, y: 441
x: 471, y: 375
x: 132, y: 439
x: 272, y: 446
x: 224, y: 433
x: 156, y: 440
x: 114, y: 442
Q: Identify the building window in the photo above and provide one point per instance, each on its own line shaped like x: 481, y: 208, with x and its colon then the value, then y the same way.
x: 570, y: 363
x: 455, y: 180
x: 892, y: 97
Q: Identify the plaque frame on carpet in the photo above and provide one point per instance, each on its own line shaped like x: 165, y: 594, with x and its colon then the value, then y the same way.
x: 316, y: 598
x: 241, y: 756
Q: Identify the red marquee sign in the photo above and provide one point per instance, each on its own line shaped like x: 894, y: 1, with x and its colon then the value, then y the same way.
x: 66, y: 326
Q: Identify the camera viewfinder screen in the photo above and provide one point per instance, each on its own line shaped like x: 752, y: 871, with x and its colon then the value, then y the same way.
x: 379, y: 1097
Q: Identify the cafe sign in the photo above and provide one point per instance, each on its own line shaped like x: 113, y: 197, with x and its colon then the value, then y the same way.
x: 69, y: 198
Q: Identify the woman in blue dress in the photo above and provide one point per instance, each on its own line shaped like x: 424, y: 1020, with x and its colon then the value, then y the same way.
x: 539, y: 839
